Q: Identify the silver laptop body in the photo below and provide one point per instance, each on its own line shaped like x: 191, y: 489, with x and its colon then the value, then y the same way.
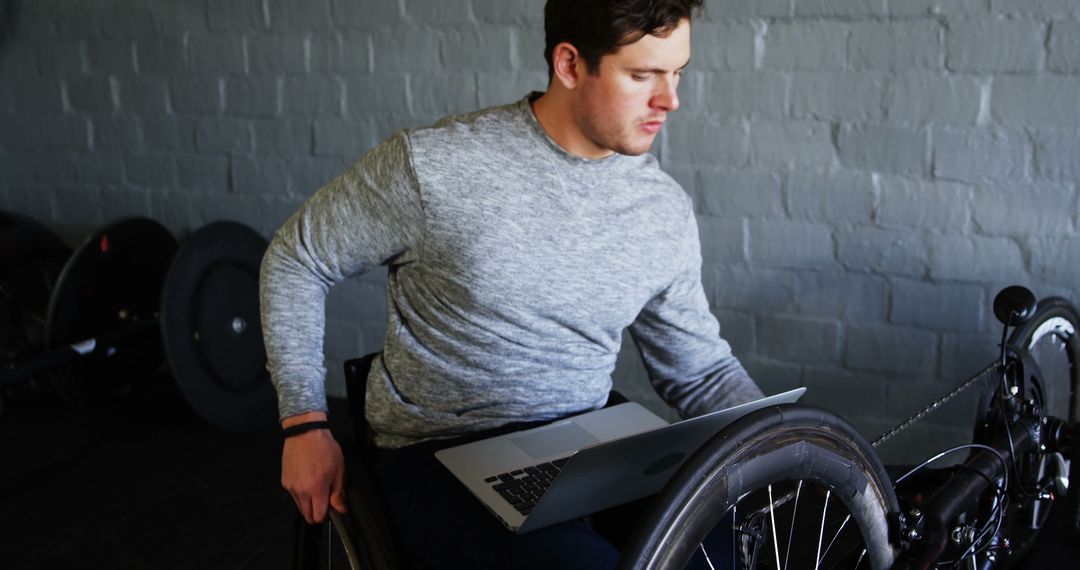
x: 585, y: 463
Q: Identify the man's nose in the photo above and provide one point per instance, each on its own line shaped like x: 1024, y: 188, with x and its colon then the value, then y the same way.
x: 667, y: 96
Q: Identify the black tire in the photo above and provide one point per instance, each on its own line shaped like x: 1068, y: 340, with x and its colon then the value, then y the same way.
x: 1051, y: 339
x: 771, y: 447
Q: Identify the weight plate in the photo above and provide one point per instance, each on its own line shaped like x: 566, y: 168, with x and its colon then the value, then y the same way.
x: 113, y: 280
x: 31, y: 258
x: 210, y: 325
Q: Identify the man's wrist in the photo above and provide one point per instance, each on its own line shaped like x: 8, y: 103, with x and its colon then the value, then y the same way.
x: 303, y: 418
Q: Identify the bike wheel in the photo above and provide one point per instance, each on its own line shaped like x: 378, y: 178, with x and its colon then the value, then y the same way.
x: 788, y: 483
x: 1050, y: 337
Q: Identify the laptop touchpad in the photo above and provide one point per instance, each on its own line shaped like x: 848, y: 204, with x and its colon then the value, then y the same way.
x: 554, y: 440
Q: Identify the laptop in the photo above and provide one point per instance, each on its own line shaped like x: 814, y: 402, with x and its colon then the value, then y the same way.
x: 586, y: 463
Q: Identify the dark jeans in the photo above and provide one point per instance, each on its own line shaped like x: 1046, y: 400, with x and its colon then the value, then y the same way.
x: 443, y: 526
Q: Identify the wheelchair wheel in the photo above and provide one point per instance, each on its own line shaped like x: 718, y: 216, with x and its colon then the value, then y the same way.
x: 1050, y: 337
x: 789, y: 484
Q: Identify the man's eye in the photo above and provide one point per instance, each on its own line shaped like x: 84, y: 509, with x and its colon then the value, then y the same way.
x: 638, y: 77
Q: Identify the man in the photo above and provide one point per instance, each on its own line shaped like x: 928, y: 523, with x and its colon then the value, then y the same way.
x: 521, y: 241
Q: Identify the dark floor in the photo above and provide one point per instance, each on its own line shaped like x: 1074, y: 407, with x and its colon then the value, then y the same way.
x: 93, y: 490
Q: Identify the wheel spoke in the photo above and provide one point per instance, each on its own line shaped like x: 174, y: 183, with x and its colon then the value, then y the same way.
x: 821, y: 531
x: 861, y: 556
x: 791, y: 532
x: 707, y: 559
x: 772, y: 521
x: 838, y: 531
x: 735, y: 547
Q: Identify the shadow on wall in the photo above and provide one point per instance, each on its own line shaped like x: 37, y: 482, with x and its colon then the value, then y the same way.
x: 9, y: 14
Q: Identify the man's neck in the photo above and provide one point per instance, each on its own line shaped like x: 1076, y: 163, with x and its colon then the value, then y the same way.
x: 555, y: 113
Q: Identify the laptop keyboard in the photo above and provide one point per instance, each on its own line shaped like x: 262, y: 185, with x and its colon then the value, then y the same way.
x: 522, y: 488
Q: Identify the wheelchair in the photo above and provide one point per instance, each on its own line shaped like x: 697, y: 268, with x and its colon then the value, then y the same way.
x: 800, y: 484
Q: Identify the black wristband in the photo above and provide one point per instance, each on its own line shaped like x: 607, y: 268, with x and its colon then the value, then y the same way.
x: 305, y: 427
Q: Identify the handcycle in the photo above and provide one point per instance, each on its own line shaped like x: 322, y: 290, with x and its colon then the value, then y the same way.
x: 799, y: 487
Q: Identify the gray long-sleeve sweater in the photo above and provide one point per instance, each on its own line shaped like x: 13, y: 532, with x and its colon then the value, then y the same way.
x: 514, y: 267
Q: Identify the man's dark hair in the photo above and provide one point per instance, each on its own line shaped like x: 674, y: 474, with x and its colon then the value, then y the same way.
x: 600, y: 27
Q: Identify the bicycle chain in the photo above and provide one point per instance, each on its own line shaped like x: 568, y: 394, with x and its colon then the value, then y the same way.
x: 933, y: 406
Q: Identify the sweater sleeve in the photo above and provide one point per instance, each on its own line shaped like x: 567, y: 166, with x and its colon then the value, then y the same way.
x: 689, y: 364
x: 369, y: 215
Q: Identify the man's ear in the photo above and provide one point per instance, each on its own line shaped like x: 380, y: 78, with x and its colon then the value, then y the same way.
x: 568, y: 65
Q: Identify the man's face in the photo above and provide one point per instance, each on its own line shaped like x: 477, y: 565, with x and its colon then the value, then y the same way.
x: 622, y: 108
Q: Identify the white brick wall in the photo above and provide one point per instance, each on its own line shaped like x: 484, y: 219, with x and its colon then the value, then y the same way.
x: 867, y: 172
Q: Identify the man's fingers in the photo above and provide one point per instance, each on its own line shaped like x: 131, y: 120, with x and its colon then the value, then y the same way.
x: 337, y: 492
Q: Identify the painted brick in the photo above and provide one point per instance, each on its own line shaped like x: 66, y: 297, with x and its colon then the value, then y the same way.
x: 53, y: 170
x: 926, y: 97
x: 61, y: 58
x: 887, y: 149
x: 529, y: 49
x: 442, y: 93
x: 951, y: 8
x: 237, y: 15
x: 895, y: 350
x: 852, y: 395
x: 1036, y: 8
x: 90, y: 94
x: 255, y: 177
x: 151, y: 170
x: 375, y: 94
x: 160, y: 56
x: 438, y: 11
x: 783, y: 243
x: 937, y: 306
x: 342, y: 137
x: 741, y: 193
x: 78, y: 206
x: 773, y: 376
x: 127, y: 19
x: 838, y: 96
x: 224, y: 135
x: 217, y: 54
x: 268, y: 55
x: 253, y: 96
x: 477, y: 49
x: 747, y: 8
x: 1057, y: 259
x: 724, y: 46
x: 117, y: 133
x: 1055, y: 155
x: 791, y: 144
x: 964, y: 354
x: 737, y: 328
x: 799, y: 339
x: 292, y: 16
x: 980, y: 154
x: 891, y: 252
x: 176, y: 18
x: 974, y: 258
x: 313, y: 95
x: 817, y: 45
x: 166, y: 132
x: 1000, y: 45
x: 308, y: 175
x: 15, y: 167
x: 896, y: 45
x: 116, y: 203
x: 508, y: 11
x: 206, y: 173
x: 1044, y: 100
x: 21, y: 133
x: 697, y: 139
x: 847, y: 8
x: 758, y: 94
x: 110, y: 58
x: 99, y: 168
x: 367, y: 15
x: 406, y: 50
x: 721, y: 239
x: 343, y: 52
x: 838, y: 295
x: 835, y: 198
x: 1020, y: 209
x: 283, y: 136
x: 760, y: 290
x: 501, y: 87
x: 1064, y: 47
x: 196, y: 95
x: 65, y: 133
x: 143, y: 95
x: 39, y: 97
x: 72, y: 19
x: 930, y: 204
